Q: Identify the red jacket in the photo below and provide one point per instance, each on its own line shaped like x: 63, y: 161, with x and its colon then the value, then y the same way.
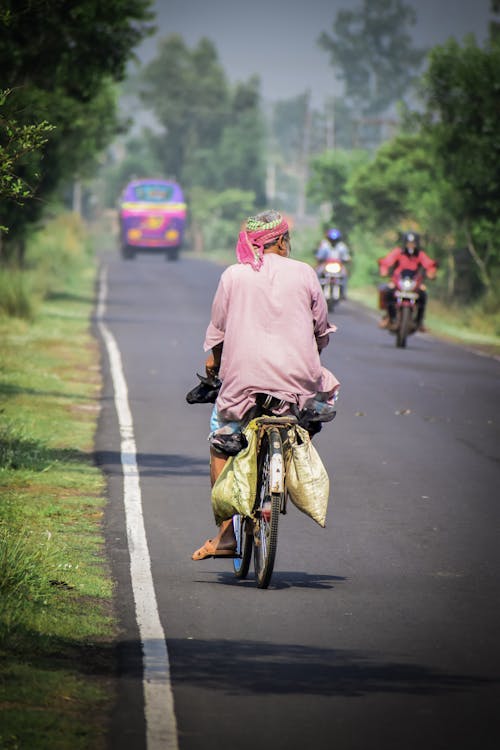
x: 402, y: 262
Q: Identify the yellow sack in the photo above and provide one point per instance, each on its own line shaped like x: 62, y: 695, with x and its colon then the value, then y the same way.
x: 306, y: 478
x: 235, y: 487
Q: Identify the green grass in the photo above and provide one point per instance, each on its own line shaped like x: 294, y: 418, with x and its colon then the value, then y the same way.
x: 57, y: 625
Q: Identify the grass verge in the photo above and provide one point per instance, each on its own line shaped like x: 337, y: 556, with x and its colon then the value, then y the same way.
x: 57, y: 624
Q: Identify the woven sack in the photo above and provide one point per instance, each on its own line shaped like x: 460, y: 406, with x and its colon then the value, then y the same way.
x: 306, y: 477
x: 235, y: 487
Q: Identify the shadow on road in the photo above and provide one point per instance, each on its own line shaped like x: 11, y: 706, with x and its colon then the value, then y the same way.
x: 156, y: 464
x: 284, y: 579
x: 255, y: 667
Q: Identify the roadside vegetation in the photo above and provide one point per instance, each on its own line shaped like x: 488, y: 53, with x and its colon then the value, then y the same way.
x: 58, y: 111
x: 57, y: 625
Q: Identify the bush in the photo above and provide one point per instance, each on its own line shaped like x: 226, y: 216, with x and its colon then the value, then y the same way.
x: 54, y: 255
x: 58, y: 250
x: 17, y: 295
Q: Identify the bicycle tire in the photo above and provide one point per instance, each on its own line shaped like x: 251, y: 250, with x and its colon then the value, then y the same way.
x: 244, y: 544
x: 269, y: 502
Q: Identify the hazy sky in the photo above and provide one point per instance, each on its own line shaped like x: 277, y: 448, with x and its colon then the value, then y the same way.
x: 277, y: 39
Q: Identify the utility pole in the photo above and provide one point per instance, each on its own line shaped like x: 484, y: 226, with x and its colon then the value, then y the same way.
x: 330, y: 123
x: 271, y: 181
x: 77, y: 196
x: 304, y: 158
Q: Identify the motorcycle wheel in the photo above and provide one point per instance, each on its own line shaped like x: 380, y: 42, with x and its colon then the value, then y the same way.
x: 331, y: 304
x: 404, y: 327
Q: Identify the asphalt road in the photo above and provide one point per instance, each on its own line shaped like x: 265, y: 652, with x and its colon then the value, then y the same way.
x: 381, y: 630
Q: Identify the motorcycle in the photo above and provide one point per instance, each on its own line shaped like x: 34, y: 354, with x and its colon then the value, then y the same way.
x: 331, y: 277
x: 406, y: 294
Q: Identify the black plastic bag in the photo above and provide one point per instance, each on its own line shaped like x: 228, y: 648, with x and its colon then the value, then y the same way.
x: 206, y: 392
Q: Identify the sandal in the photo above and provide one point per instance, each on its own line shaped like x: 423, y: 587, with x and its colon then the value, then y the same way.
x: 209, y: 550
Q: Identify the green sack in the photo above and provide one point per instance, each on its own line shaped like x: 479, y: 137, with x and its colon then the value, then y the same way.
x: 306, y: 477
x: 235, y: 487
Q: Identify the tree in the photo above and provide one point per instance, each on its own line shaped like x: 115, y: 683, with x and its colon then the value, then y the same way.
x: 188, y: 92
x: 60, y: 60
x: 372, y: 52
x: 70, y: 46
x: 16, y: 142
x: 236, y: 161
x: 331, y: 172
x: 212, y: 134
x: 462, y: 90
x: 495, y: 22
x: 216, y: 216
x: 379, y: 191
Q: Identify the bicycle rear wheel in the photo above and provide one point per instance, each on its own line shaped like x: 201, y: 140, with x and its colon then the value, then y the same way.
x: 244, y: 544
x: 270, y: 492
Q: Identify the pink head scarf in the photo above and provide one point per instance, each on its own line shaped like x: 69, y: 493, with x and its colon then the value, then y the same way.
x: 250, y: 245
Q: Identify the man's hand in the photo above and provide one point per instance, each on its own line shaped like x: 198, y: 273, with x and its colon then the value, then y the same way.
x: 212, y: 362
x: 210, y: 367
x: 322, y: 341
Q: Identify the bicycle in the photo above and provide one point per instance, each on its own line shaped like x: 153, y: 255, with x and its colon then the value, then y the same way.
x: 260, y: 533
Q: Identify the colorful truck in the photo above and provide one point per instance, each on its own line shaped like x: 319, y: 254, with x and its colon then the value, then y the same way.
x: 152, y: 218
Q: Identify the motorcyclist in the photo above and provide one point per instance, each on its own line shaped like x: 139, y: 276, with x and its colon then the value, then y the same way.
x: 408, y: 257
x: 332, y: 247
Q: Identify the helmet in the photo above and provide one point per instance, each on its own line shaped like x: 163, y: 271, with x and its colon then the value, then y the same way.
x: 334, y: 235
x: 411, y: 237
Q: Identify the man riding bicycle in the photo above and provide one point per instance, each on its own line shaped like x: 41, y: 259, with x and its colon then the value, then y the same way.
x: 267, y: 328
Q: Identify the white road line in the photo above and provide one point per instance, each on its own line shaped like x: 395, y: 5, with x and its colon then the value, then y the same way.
x: 161, y: 725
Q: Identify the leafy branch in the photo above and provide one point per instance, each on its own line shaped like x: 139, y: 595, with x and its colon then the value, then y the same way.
x: 16, y: 142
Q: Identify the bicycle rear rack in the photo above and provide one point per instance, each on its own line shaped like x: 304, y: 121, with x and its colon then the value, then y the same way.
x: 286, y: 420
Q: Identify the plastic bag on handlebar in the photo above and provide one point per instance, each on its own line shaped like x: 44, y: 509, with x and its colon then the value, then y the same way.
x: 205, y: 392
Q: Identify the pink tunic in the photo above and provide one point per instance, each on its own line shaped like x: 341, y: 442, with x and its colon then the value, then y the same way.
x: 269, y: 321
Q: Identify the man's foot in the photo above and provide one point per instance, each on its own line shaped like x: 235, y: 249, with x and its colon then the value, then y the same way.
x: 212, y: 549
x: 384, y: 323
x: 422, y: 328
